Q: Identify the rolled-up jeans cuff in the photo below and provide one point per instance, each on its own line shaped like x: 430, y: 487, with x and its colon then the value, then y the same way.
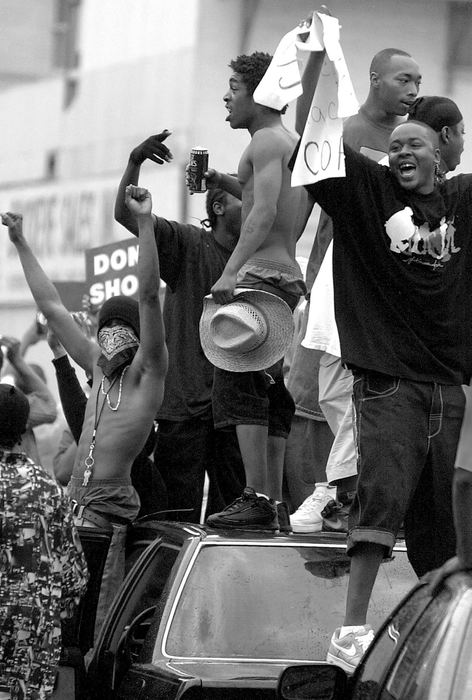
x: 367, y: 534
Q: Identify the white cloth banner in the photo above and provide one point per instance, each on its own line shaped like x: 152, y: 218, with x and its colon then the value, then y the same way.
x: 321, y: 153
x: 282, y: 81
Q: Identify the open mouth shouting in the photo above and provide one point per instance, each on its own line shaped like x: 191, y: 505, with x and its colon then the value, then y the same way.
x: 407, y: 170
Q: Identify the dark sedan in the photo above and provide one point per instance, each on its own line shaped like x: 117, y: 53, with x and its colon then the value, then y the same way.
x: 423, y: 651
x: 206, y: 614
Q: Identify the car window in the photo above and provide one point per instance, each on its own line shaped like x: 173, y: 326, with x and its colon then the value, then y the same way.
x: 391, y: 669
x: 256, y: 601
x: 147, y: 587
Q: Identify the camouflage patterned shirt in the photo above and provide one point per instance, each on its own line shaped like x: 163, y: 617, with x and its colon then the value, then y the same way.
x: 43, y: 574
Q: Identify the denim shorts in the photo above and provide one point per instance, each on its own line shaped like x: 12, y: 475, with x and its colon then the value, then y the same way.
x: 253, y: 398
x: 406, y: 438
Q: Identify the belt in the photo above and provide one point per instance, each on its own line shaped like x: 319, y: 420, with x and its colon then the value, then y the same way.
x: 101, y: 521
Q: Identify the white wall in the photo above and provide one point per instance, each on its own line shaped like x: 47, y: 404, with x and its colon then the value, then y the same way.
x: 154, y: 64
x: 124, y: 31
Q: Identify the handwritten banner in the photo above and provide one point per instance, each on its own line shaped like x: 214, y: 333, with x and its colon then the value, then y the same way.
x: 321, y: 152
x: 282, y: 81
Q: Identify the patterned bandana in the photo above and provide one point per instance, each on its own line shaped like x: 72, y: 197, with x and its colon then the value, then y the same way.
x: 119, y: 345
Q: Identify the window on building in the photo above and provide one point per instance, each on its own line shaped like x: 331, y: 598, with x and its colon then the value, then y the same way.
x: 459, y: 34
x: 65, y: 30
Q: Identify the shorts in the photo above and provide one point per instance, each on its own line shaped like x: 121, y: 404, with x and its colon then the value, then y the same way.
x: 253, y: 398
x: 464, y: 449
x: 406, y: 438
x: 286, y: 281
x: 112, y: 498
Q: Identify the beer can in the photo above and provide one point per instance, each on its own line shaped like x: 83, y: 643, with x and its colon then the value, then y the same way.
x: 198, y: 165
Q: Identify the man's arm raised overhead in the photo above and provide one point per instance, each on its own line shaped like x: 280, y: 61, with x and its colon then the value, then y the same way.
x: 153, y: 149
x: 151, y: 358
x: 310, y: 78
x: 80, y: 348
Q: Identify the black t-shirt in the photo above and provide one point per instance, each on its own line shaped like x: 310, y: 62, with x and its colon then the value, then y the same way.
x: 190, y: 263
x: 401, y: 266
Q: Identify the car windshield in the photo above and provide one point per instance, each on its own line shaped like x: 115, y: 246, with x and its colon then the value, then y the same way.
x: 271, y: 602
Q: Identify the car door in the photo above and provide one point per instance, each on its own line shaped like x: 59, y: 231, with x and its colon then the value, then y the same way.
x: 130, y: 616
x: 391, y: 670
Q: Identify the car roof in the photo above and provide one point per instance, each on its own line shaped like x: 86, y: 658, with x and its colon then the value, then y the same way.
x: 183, y: 530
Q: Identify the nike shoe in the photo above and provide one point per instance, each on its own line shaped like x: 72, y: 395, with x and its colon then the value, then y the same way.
x: 308, y: 517
x: 249, y: 512
x: 335, y: 516
x: 349, y: 650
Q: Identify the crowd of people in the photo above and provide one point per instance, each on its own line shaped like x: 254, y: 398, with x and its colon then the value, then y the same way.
x: 217, y: 386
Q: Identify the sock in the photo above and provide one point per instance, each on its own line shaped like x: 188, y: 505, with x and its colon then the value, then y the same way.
x: 263, y: 495
x: 347, y: 629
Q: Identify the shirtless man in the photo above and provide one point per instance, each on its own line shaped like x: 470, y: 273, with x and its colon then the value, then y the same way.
x: 264, y: 259
x: 126, y: 392
x: 128, y: 365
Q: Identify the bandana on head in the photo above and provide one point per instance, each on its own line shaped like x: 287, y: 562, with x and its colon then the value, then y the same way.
x: 119, y: 345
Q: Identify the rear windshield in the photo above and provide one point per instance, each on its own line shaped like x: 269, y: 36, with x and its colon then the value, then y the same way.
x: 272, y: 602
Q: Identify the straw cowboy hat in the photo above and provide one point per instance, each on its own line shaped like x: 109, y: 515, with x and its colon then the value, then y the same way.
x: 250, y: 333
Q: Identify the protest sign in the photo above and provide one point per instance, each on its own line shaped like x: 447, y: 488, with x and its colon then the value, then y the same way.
x: 321, y: 153
x: 111, y: 270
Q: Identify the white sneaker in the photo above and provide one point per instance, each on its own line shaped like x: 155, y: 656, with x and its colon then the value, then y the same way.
x: 308, y: 516
x: 349, y: 650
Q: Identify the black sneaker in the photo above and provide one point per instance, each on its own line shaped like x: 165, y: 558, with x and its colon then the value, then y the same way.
x: 249, y: 512
x: 284, y: 518
x: 335, y: 515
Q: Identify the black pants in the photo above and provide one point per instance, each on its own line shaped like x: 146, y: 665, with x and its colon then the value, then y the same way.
x: 184, y: 452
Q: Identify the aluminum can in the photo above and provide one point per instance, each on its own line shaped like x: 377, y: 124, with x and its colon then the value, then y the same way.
x: 198, y: 165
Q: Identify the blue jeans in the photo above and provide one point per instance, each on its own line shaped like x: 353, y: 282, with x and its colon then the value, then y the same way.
x: 406, y: 435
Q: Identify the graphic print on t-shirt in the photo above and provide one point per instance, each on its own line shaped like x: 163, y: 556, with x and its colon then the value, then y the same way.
x: 418, y: 243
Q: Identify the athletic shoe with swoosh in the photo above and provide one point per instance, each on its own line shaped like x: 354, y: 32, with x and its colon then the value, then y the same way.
x: 347, y: 651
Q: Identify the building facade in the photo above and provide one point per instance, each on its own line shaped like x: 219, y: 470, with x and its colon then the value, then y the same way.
x: 82, y: 82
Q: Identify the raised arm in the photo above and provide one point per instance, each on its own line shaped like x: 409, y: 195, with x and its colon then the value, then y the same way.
x: 151, y: 358
x: 73, y: 398
x: 33, y: 334
x: 310, y: 79
x: 82, y: 350
x: 153, y: 149
x: 42, y: 404
x: 224, y: 181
